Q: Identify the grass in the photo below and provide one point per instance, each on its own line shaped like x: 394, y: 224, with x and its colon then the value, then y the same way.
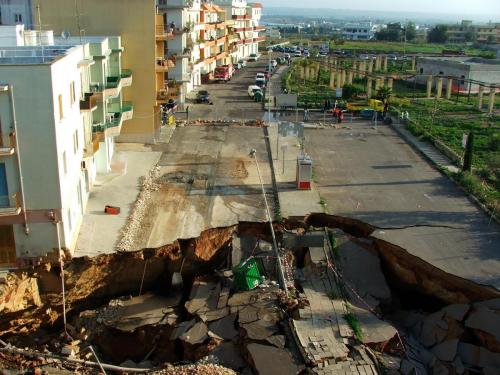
x: 333, y: 244
x: 354, y: 324
x: 323, y: 203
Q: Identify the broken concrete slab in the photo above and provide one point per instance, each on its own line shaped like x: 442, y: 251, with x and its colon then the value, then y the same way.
x: 457, y: 311
x: 375, y: 330
x: 197, y: 334
x: 277, y: 340
x: 447, y: 350
x: 488, y: 358
x: 229, y: 356
x: 468, y: 353
x: 486, y: 320
x: 182, y: 328
x: 268, y: 360
x: 225, y: 327
x: 259, y: 330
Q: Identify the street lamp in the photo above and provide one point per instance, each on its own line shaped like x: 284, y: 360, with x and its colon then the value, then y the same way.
x: 253, y: 154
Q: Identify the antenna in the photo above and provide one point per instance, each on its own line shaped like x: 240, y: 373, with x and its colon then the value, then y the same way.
x: 78, y: 26
x: 65, y: 34
x: 40, y: 30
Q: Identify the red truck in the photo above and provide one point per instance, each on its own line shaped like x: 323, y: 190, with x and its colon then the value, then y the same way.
x: 224, y: 73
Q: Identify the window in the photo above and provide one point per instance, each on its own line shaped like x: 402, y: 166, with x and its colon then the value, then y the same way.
x: 75, y: 142
x: 18, y: 17
x: 65, y: 162
x: 72, y: 93
x: 61, y: 109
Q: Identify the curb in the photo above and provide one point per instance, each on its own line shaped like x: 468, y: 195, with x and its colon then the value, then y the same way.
x: 471, y: 197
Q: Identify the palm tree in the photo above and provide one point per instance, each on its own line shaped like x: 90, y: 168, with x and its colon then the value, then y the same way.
x: 384, y: 93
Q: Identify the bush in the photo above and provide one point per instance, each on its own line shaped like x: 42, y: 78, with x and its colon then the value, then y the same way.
x: 494, y: 142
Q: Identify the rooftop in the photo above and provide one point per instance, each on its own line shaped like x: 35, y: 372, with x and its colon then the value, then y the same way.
x: 32, y: 55
x: 465, y: 60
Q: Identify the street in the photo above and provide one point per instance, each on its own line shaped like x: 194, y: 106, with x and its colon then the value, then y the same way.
x: 230, y: 99
x: 374, y: 176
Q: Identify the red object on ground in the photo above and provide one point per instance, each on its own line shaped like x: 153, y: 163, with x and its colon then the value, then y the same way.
x: 304, y: 185
x: 111, y: 210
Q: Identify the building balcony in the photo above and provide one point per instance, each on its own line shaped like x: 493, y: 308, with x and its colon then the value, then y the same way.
x: 221, y: 40
x: 209, y: 43
x: 113, y: 86
x: 165, y: 64
x: 164, y: 33
x: 248, y: 41
x: 241, y: 17
x: 7, y: 144
x: 127, y: 111
x: 126, y: 76
x: 259, y: 39
x: 10, y: 205
x: 167, y: 93
x: 93, y: 146
x: 221, y: 56
x: 259, y: 28
x: 112, y: 127
x: 243, y: 29
x: 89, y: 103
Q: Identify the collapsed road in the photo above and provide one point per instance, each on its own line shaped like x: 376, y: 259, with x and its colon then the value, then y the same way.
x: 357, y: 305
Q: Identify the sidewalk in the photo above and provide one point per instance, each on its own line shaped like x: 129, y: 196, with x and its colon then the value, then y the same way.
x: 99, y: 232
x: 428, y: 150
x: 293, y: 202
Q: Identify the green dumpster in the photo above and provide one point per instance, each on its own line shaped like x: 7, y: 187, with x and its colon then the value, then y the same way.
x: 258, y: 96
x: 247, y: 275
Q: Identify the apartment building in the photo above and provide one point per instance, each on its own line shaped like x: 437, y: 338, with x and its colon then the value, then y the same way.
x: 255, y: 11
x: 50, y: 155
x: 358, y: 31
x: 14, y: 12
x: 144, y: 35
x: 466, y: 31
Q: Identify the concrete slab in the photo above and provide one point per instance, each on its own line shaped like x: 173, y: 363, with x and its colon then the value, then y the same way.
x: 100, y: 232
x: 375, y: 176
x: 207, y: 180
x: 268, y: 359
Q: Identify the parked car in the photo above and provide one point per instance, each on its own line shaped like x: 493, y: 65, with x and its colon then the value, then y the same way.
x: 252, y: 89
x: 260, y: 76
x: 306, y: 53
x: 274, y: 63
x: 297, y: 54
x: 254, y: 57
x: 203, y: 97
x: 261, y: 82
x: 224, y: 73
x: 242, y: 62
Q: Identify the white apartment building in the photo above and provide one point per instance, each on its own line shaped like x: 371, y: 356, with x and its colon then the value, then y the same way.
x: 359, y: 31
x: 13, y: 12
x: 60, y: 107
x: 258, y: 31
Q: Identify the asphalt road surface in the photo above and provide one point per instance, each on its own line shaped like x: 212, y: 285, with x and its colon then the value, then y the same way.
x: 373, y: 175
x: 230, y: 99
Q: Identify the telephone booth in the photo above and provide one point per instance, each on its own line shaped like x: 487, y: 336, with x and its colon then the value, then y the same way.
x: 304, y: 172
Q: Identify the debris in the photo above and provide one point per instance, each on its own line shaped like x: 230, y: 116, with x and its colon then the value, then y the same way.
x: 268, y: 359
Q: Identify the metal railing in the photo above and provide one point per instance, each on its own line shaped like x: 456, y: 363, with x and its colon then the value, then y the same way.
x: 7, y: 140
x: 126, y: 73
x: 112, y: 82
x: 127, y: 106
x: 89, y: 102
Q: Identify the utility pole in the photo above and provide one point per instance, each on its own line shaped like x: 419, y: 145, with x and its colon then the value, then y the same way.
x: 253, y: 153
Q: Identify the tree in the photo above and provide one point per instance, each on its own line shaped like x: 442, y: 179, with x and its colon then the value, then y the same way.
x: 438, y: 34
x: 468, y: 153
x: 410, y: 31
x: 469, y: 36
x: 392, y: 35
x: 350, y: 91
x: 384, y: 93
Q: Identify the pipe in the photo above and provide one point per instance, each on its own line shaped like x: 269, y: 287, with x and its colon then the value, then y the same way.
x: 18, y: 152
x: 35, y: 354
x: 61, y: 263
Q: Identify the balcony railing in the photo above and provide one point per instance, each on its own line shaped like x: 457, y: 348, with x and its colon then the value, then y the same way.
x: 10, y: 205
x: 164, y: 32
x: 7, y: 144
x: 126, y: 76
x: 89, y: 102
x: 112, y: 82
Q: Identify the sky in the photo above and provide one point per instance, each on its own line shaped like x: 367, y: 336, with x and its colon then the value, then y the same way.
x: 491, y: 7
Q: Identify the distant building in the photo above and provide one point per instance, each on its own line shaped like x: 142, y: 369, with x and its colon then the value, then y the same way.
x: 462, y: 68
x: 61, y: 107
x: 466, y: 32
x: 273, y: 33
x: 14, y: 12
x: 358, y: 31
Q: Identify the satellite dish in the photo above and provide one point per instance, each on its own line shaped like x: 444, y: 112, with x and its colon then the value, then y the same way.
x: 65, y: 34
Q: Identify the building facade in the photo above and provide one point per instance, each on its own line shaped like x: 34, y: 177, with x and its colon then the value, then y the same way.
x: 467, y: 72
x: 358, y: 31
x: 51, y: 154
x: 15, y: 12
x: 467, y: 32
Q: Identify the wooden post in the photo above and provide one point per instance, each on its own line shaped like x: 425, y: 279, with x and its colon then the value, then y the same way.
x: 390, y: 82
x: 332, y: 80
x: 349, y: 77
x: 385, y: 63
x: 370, y: 66
x: 413, y: 63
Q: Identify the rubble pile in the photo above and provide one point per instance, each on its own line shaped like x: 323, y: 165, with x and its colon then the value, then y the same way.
x: 208, y: 369
x: 18, y: 292
x: 252, y: 123
x: 457, y: 339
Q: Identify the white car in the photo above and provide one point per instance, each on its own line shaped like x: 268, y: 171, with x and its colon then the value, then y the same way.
x: 254, y: 57
x: 252, y: 89
x: 298, y: 54
x: 260, y: 76
x: 274, y: 63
